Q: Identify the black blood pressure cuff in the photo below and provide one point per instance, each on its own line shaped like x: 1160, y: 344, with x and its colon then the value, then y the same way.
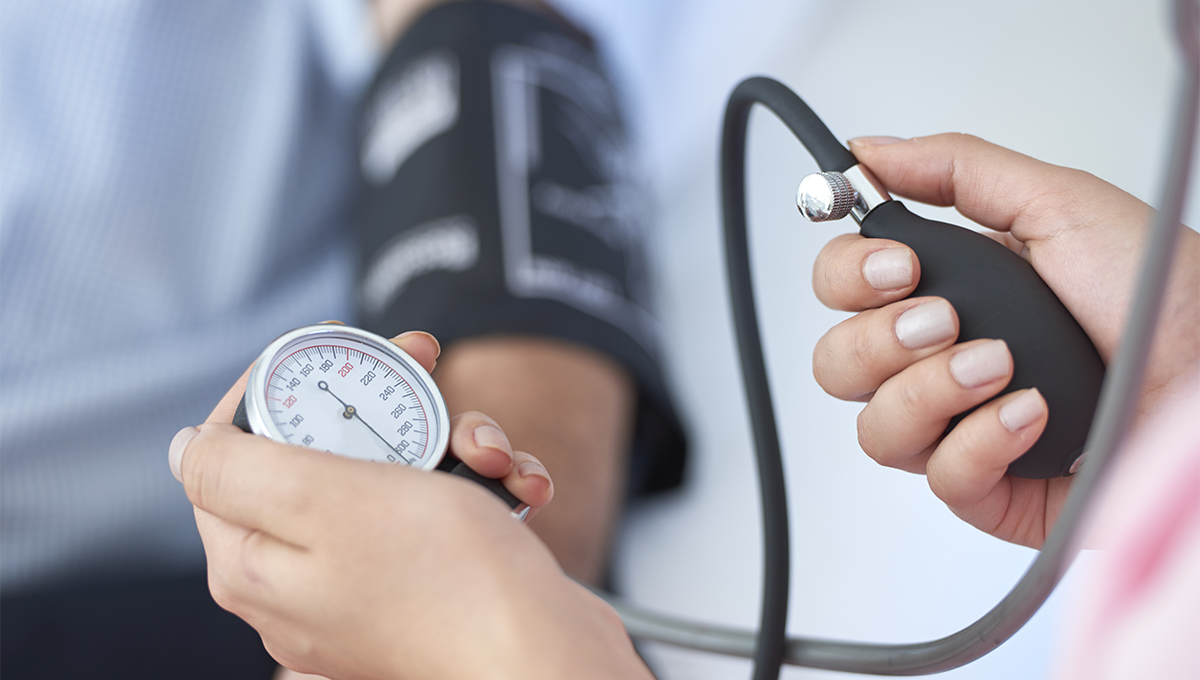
x: 499, y: 199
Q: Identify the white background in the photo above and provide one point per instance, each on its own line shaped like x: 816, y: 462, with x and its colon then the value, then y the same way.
x: 875, y: 557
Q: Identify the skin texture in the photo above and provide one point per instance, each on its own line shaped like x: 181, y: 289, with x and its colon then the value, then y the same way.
x: 1083, y: 236
x: 352, y: 569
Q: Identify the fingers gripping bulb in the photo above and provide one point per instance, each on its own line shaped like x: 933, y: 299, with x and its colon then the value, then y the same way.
x: 825, y: 196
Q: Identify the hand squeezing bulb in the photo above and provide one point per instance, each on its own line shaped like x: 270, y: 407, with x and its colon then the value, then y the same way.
x: 997, y: 295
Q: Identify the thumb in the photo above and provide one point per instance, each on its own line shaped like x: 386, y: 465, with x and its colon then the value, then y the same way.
x: 256, y: 483
x: 994, y: 186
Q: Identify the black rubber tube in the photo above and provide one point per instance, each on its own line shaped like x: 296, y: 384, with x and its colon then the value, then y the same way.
x: 831, y: 155
x: 1117, y: 404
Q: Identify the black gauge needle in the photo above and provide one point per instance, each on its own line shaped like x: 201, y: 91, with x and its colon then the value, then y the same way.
x: 351, y: 412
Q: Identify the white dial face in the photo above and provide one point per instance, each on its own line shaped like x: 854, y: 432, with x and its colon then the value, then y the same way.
x: 345, y: 391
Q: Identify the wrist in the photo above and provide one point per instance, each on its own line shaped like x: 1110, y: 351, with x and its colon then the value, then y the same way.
x: 576, y: 635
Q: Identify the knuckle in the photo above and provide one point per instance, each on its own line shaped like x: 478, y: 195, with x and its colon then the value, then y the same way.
x: 251, y: 556
x: 834, y: 295
x: 864, y: 352
x: 911, y: 397
x: 221, y: 593
x: 283, y: 655
x: 941, y: 487
x: 301, y: 500
x: 293, y: 648
x: 962, y: 461
x: 969, y: 446
x: 304, y: 645
x: 824, y: 365
x: 845, y: 360
x: 867, y: 438
x: 947, y: 482
x: 204, y: 475
x: 832, y: 281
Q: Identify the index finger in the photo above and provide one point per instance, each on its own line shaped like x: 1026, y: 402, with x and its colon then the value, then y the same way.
x: 853, y: 273
x: 989, y: 184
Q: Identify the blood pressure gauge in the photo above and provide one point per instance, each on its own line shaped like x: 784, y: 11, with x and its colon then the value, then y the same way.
x: 350, y: 392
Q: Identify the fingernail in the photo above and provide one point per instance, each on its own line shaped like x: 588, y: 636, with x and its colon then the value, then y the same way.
x: 432, y: 339
x: 175, y: 453
x: 981, y: 364
x: 889, y: 269
x: 532, y: 470
x: 926, y: 324
x: 491, y: 436
x: 882, y: 140
x: 1022, y: 411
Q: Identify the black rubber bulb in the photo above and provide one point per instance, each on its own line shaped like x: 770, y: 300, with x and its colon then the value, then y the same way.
x: 998, y: 295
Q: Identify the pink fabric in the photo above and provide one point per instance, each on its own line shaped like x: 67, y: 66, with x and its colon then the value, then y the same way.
x: 1138, y: 616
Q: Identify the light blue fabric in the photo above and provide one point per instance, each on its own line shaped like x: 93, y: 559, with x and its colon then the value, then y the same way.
x: 174, y: 180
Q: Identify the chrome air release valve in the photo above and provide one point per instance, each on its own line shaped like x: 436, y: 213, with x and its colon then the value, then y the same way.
x: 854, y: 193
x: 825, y: 196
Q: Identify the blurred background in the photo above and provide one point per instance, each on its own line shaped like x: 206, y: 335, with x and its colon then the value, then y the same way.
x: 875, y: 556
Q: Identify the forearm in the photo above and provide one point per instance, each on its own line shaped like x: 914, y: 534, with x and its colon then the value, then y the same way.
x: 573, y: 409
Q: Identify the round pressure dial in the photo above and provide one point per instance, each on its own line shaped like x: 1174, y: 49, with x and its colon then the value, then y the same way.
x: 348, y: 392
x: 351, y: 392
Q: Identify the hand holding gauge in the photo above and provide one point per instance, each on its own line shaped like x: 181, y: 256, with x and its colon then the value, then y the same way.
x: 320, y: 552
x: 354, y: 393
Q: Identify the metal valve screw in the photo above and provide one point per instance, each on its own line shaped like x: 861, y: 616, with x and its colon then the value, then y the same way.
x: 825, y: 196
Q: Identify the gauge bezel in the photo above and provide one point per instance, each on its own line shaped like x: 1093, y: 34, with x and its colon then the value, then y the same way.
x: 256, y: 384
